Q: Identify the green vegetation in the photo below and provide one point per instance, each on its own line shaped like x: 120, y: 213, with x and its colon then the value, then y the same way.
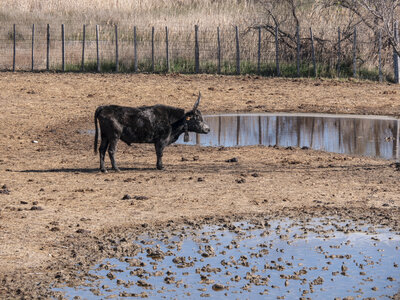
x: 228, y: 68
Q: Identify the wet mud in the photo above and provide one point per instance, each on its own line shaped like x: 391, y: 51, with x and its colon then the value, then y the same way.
x: 328, y: 257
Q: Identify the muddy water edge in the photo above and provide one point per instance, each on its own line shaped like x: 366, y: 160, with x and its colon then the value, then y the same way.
x: 122, y: 242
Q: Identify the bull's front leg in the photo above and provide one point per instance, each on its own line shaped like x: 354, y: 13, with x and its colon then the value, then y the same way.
x: 159, y: 152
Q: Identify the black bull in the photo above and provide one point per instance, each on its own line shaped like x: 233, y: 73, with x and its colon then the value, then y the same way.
x: 158, y: 124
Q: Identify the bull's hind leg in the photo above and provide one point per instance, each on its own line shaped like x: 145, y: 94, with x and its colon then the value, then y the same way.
x: 112, y: 148
x: 102, y: 151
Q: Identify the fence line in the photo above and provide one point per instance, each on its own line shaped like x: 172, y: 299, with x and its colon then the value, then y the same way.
x: 253, y: 52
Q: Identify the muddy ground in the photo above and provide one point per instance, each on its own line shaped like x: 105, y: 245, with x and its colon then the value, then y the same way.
x: 58, y: 214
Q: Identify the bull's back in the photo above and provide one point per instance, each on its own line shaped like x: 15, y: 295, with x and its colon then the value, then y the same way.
x: 130, y: 124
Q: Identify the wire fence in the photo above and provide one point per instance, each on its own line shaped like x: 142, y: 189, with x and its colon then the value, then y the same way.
x: 225, y: 50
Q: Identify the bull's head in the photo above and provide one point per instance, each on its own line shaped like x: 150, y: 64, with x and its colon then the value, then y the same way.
x: 194, y: 121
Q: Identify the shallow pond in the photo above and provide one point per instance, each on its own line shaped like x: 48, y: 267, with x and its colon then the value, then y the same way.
x: 284, y: 259
x: 373, y: 136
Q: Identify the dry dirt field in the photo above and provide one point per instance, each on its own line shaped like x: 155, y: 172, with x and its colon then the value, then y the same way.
x: 59, y: 214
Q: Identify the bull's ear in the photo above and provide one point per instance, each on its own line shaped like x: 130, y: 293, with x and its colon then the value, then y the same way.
x: 197, y: 102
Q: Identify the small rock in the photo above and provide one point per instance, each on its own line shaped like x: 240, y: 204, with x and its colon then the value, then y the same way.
x: 241, y: 180
x: 126, y: 197
x: 36, y: 208
x: 234, y: 159
x: 4, y: 190
x: 218, y: 287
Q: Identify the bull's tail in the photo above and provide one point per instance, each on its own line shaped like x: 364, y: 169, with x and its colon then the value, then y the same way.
x: 96, y: 134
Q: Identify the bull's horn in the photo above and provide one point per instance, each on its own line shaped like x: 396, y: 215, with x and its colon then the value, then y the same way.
x: 197, y: 102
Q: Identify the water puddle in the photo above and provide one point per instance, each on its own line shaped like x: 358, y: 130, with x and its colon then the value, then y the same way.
x: 355, y: 135
x: 319, y: 258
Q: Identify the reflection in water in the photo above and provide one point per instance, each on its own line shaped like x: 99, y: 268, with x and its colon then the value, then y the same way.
x: 358, y: 135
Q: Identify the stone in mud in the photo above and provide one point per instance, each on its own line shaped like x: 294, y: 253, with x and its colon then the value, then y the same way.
x: 155, y: 253
x: 237, y: 278
x: 4, y: 190
x: 126, y: 197
x: 318, y: 281
x: 134, y: 262
x: 141, y: 295
x: 234, y: 159
x: 111, y: 275
x: 36, y: 208
x: 218, y: 287
x: 391, y: 279
x: 140, y: 198
x: 144, y: 284
x: 204, y: 295
x: 169, y: 279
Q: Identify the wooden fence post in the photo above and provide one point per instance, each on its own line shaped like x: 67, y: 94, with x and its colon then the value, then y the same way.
x: 14, y: 47
x: 48, y: 48
x: 116, y: 50
x: 135, y: 62
x: 218, y: 51
x: 196, y: 50
x: 380, y: 56
x: 33, y: 46
x: 338, y: 54
x: 259, y: 51
x: 97, y: 49
x: 152, y: 49
x: 355, y: 52
x: 83, y: 47
x: 166, y: 49
x: 395, y: 55
x: 278, y: 70
x: 298, y: 50
x: 237, y: 51
x: 313, y: 53
x: 63, y: 47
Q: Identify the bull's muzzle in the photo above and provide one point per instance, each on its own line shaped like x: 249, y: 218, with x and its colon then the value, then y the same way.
x: 205, y: 128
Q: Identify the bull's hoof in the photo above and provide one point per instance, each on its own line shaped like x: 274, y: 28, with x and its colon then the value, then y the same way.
x: 103, y: 171
x: 160, y: 168
x: 117, y: 170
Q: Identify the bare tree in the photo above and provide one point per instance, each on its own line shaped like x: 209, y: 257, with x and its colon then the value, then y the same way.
x: 377, y: 15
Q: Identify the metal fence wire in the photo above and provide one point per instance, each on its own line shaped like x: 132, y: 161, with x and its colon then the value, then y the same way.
x: 160, y: 49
